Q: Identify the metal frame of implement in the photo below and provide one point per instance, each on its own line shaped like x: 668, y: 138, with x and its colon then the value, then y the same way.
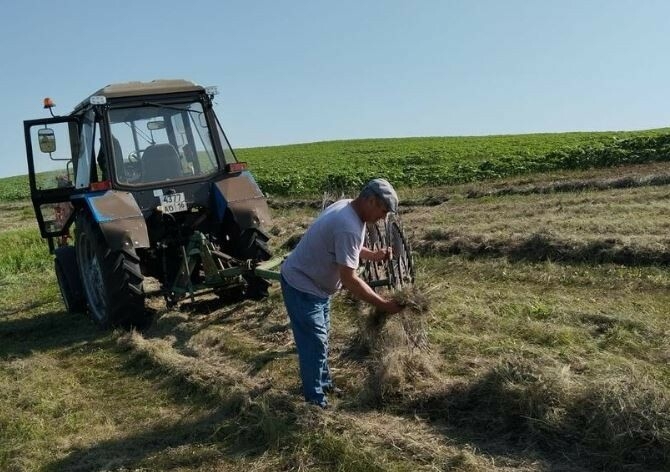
x: 221, y: 270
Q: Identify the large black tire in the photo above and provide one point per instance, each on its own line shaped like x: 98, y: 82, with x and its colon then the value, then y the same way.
x: 69, y: 282
x: 112, y: 280
x: 253, y: 244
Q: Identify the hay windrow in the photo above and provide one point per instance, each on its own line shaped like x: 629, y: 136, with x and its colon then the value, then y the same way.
x: 573, y: 186
x: 481, y: 190
x: 621, y: 419
x: 542, y: 246
x: 218, y: 381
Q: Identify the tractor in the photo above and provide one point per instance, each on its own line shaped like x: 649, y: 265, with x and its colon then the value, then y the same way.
x: 146, y: 176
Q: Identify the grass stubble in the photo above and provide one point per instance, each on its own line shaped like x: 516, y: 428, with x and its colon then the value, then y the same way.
x: 495, y: 364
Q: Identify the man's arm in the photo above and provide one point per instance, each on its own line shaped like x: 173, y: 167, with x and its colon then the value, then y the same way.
x: 362, y: 291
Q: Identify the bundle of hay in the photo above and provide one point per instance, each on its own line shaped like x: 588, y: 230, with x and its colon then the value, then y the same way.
x: 400, y: 361
x: 406, y: 329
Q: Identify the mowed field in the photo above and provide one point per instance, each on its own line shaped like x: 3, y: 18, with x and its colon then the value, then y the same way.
x: 544, y: 347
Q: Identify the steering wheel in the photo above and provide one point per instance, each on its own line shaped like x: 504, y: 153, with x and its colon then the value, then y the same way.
x: 133, y: 167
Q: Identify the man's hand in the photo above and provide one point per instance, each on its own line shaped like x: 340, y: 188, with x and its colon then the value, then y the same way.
x: 362, y: 291
x: 391, y: 307
x: 378, y: 255
x: 383, y: 254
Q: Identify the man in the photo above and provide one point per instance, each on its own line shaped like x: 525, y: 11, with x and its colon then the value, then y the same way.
x: 326, y: 259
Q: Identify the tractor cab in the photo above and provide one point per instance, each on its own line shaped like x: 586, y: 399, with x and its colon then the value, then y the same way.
x: 135, y: 137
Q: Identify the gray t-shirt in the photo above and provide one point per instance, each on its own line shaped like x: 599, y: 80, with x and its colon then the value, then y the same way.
x: 335, y: 238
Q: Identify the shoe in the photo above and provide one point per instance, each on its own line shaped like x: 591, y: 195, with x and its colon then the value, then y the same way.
x: 323, y: 405
x: 333, y: 390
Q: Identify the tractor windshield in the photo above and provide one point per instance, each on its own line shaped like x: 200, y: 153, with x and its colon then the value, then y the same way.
x: 155, y: 143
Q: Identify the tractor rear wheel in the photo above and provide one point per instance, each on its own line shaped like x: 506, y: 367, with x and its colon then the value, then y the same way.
x: 253, y: 244
x: 69, y: 282
x: 112, y: 280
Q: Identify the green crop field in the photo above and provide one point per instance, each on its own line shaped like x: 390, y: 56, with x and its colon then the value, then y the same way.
x: 14, y: 188
x: 411, y: 162
x: 545, y: 270
x: 308, y: 169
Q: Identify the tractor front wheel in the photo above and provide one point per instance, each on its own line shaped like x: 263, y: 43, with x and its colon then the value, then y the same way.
x: 112, y: 280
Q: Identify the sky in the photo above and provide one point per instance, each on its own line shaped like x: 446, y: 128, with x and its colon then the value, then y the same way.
x: 312, y: 70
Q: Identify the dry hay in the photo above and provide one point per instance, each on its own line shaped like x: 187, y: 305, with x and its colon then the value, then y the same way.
x: 400, y: 360
x: 616, y: 418
x: 220, y: 381
x: 576, y: 185
x: 407, y: 329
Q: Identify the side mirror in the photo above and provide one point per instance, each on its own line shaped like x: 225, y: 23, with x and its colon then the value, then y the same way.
x: 47, y: 139
x: 156, y: 125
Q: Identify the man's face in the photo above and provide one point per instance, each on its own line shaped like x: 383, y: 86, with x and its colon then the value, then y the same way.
x: 378, y: 209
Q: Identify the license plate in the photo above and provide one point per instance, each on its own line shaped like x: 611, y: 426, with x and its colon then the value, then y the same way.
x: 173, y: 203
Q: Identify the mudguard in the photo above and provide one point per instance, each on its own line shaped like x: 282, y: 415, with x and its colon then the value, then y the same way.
x: 119, y: 218
x: 240, y: 194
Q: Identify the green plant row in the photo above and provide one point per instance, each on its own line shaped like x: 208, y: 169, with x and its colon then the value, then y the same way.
x: 416, y: 166
x: 304, y: 169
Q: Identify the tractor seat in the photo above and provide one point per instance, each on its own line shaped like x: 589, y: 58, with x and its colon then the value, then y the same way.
x: 118, y: 160
x: 160, y: 162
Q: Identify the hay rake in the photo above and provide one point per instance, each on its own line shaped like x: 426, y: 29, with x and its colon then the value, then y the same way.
x: 395, y: 273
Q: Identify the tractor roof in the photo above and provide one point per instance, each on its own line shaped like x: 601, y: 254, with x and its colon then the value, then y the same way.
x: 132, y: 89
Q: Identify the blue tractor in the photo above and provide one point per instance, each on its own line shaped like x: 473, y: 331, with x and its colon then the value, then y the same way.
x: 140, y: 181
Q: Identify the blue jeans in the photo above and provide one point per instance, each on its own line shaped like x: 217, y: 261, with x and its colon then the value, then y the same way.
x: 310, y: 323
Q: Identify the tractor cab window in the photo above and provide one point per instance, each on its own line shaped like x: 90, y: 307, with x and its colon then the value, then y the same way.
x: 86, y: 150
x: 54, y: 160
x: 156, y: 143
x: 54, y: 148
x: 228, y: 154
